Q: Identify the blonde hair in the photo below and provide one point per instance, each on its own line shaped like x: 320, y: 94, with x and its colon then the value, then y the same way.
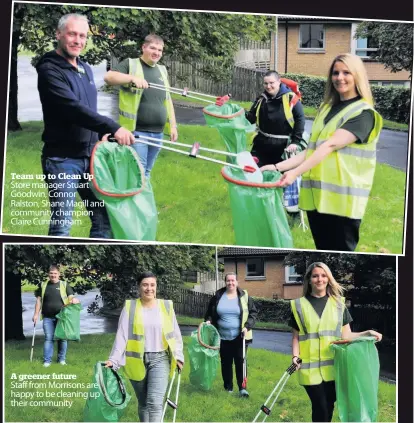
x: 358, y: 71
x: 334, y: 289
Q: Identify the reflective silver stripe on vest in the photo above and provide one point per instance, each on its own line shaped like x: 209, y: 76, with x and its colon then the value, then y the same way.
x: 167, y: 305
x: 350, y: 113
x: 272, y: 135
x: 356, y: 192
x: 317, y: 364
x: 300, y: 314
x: 317, y: 335
x: 340, y: 320
x: 127, y: 115
x: 169, y: 335
x: 131, y: 335
x: 356, y: 152
x: 133, y: 354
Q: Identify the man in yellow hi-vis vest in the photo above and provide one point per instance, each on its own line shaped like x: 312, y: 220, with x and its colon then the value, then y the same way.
x: 144, y: 110
x: 51, y: 296
x: 276, y: 112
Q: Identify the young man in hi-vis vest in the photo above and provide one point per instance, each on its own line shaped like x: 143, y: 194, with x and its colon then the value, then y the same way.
x: 51, y: 296
x: 142, y: 108
x: 319, y: 318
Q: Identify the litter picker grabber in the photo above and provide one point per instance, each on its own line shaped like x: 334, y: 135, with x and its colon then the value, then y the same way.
x: 33, y: 338
x: 219, y: 101
x: 244, y: 383
x: 168, y: 401
x: 245, y: 160
x: 276, y: 392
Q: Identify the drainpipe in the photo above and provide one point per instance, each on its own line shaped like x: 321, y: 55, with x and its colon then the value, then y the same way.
x: 286, y: 46
x: 276, y: 41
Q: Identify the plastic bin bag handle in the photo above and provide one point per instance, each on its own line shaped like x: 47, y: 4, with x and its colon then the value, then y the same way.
x: 103, y: 388
x: 200, y: 340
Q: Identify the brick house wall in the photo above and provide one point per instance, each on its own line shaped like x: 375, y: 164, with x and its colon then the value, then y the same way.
x: 338, y: 39
x: 272, y: 285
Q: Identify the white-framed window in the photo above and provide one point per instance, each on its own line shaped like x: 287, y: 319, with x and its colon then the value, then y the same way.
x: 291, y: 276
x: 255, y: 267
x: 311, y: 36
x: 362, y: 47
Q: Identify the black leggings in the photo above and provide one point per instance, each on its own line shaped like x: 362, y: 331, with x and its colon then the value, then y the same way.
x: 323, y: 399
x: 232, y: 351
x: 332, y: 232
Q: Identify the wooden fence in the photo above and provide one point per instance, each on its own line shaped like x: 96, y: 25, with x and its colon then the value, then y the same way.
x: 190, y: 303
x: 243, y: 84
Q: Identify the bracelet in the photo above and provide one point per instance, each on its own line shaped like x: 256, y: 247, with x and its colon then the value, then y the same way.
x: 275, y: 167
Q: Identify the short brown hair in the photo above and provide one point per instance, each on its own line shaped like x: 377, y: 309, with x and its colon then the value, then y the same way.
x: 153, y: 38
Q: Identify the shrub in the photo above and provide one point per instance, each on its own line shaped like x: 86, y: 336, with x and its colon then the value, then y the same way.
x: 392, y: 102
x: 272, y: 310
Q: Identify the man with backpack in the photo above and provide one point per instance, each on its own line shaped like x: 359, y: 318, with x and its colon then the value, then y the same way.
x: 278, y: 114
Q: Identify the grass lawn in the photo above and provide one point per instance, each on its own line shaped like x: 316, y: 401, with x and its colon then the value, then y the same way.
x: 265, y: 369
x: 192, y: 197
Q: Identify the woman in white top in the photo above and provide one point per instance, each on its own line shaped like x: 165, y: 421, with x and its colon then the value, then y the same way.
x: 149, y: 344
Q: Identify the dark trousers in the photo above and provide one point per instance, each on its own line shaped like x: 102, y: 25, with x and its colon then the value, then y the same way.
x: 268, y: 150
x: 323, y: 399
x: 332, y: 232
x: 232, y: 351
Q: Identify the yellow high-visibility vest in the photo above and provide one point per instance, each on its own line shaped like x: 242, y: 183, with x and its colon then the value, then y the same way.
x: 134, y: 354
x: 341, y: 183
x: 62, y: 289
x: 315, y: 335
x: 130, y: 97
x: 287, y: 108
x: 244, y: 300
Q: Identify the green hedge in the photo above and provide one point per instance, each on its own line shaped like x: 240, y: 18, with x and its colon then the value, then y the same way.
x: 392, y: 102
x: 277, y: 311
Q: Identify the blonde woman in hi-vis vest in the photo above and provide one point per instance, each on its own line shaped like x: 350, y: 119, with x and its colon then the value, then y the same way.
x: 318, y: 318
x: 149, y: 345
x: 339, y: 164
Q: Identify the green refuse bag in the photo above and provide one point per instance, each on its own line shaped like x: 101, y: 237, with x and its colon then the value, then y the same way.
x: 68, y: 325
x: 259, y: 218
x: 356, y: 379
x: 231, y: 122
x: 203, y: 351
x: 118, y: 179
x: 108, y: 398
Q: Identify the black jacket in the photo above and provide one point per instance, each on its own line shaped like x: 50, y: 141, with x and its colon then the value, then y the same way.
x: 272, y: 116
x: 212, y: 315
x: 69, y: 102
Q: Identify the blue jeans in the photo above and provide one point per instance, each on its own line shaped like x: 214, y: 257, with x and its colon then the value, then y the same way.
x: 49, y: 326
x: 62, y: 198
x: 147, y: 153
x: 151, y: 390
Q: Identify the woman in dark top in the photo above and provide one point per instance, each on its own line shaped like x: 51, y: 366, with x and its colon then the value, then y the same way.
x: 233, y: 313
x: 318, y: 318
x: 338, y: 167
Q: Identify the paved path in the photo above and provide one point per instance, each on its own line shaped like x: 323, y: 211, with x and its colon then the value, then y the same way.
x: 392, y: 146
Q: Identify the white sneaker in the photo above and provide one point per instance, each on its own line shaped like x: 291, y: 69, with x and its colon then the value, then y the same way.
x: 63, y: 362
x: 46, y: 364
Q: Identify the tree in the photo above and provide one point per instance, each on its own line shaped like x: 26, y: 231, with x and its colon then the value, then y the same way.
x: 114, y: 269
x: 208, y: 38
x: 394, y: 41
x: 369, y: 279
